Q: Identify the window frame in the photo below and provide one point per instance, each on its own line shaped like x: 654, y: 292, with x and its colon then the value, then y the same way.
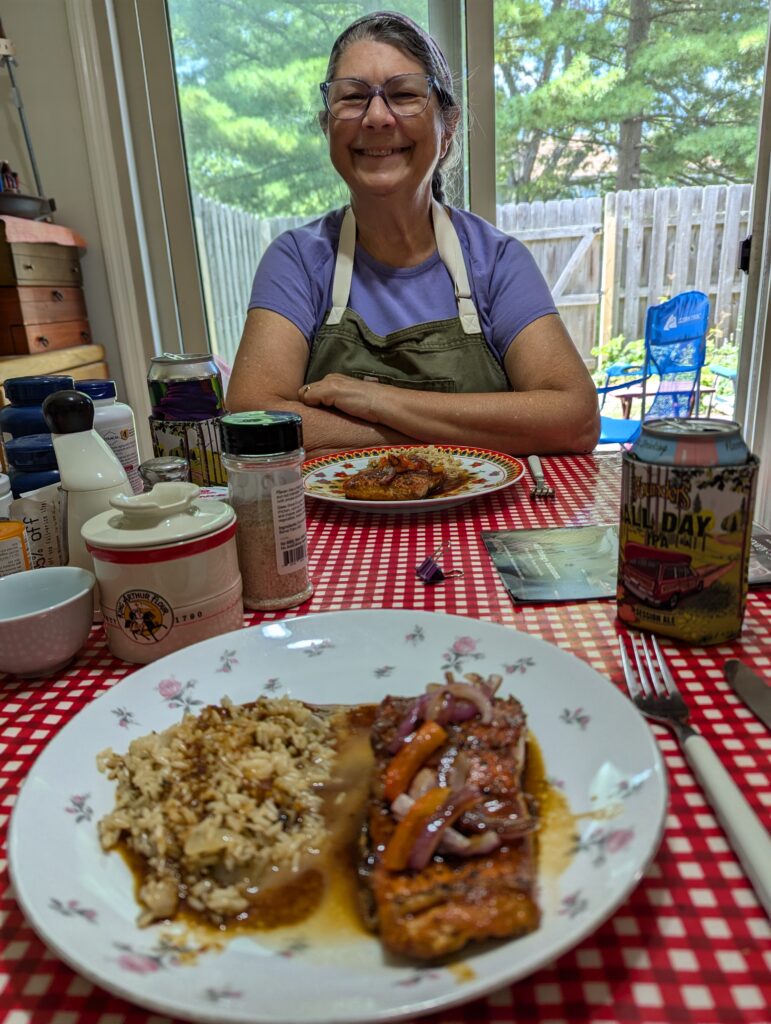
x: 136, y: 83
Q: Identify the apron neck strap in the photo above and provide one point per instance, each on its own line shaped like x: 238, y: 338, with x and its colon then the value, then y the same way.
x: 451, y: 255
x: 449, y: 252
x: 341, y: 283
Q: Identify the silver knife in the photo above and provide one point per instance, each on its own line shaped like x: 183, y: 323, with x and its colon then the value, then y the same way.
x: 752, y: 688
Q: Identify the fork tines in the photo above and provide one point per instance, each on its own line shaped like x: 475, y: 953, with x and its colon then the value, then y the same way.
x: 541, y: 488
x: 652, y: 671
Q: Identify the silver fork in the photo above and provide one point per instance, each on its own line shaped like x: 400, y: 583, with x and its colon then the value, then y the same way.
x: 541, y: 489
x: 655, y: 693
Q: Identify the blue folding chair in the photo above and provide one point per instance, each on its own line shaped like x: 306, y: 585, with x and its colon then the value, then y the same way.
x: 675, y: 350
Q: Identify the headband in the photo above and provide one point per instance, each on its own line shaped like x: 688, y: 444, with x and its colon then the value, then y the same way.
x: 431, y: 45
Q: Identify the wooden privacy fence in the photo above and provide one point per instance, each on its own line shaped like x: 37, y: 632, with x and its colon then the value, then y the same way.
x: 230, y: 245
x: 605, y: 260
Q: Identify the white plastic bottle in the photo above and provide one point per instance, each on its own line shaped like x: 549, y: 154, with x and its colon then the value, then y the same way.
x: 5, y: 496
x: 90, y: 471
x: 114, y: 421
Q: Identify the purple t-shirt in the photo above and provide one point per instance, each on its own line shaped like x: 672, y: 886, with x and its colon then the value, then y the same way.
x: 294, y: 278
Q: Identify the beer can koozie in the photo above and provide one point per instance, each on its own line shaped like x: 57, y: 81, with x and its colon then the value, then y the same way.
x: 685, y: 532
x: 196, y: 441
x: 187, y: 401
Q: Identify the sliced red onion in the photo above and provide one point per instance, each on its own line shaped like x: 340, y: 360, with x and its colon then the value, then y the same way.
x: 434, y: 703
x: 452, y: 841
x: 469, y: 846
x: 408, y: 723
x: 508, y: 826
x: 425, y: 779
x: 401, y: 805
x: 429, y: 838
x: 493, y: 683
x: 457, y: 711
x: 476, y: 696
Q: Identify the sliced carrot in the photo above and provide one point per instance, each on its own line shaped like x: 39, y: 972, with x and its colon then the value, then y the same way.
x: 402, y: 768
x: 397, y: 853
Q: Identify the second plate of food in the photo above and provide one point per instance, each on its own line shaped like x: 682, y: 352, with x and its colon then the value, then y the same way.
x: 602, y: 801
x: 470, y: 472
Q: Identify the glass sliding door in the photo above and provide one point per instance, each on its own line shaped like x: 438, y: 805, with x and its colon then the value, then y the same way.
x: 626, y: 135
x: 247, y: 75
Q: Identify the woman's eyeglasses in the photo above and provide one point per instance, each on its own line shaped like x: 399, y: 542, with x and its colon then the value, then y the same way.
x: 348, y: 99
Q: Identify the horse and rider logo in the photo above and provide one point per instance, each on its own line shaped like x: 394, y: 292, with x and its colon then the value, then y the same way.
x: 144, y: 616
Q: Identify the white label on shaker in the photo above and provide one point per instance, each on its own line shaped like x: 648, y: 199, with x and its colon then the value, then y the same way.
x: 289, y: 522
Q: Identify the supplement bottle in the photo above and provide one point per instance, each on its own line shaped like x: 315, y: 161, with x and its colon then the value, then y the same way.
x: 31, y: 463
x: 5, y: 496
x: 24, y: 415
x: 14, y: 548
x: 262, y: 453
x: 114, y: 421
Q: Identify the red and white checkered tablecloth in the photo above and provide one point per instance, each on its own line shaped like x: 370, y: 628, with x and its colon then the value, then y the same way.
x: 690, y: 946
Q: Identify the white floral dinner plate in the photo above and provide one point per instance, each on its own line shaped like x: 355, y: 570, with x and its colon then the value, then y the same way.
x: 487, y: 472
x: 605, y: 773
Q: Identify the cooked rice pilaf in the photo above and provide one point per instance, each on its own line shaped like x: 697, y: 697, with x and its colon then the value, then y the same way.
x: 438, y: 459
x: 214, y: 802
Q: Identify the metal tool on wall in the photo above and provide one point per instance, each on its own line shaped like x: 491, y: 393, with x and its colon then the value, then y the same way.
x: 12, y: 201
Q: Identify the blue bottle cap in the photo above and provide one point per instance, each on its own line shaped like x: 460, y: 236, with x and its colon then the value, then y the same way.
x: 32, y: 390
x: 96, y: 389
x: 35, y: 451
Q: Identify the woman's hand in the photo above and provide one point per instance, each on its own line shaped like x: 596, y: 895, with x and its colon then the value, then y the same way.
x: 349, y: 395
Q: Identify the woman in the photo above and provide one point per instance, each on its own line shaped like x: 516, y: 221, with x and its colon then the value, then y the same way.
x: 400, y: 319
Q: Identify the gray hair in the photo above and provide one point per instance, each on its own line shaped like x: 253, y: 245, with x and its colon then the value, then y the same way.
x: 404, y: 34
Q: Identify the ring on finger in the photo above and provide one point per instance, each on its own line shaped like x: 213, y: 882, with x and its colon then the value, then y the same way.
x: 306, y: 389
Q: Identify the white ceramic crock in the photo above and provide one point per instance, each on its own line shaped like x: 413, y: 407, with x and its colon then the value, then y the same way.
x: 167, y: 568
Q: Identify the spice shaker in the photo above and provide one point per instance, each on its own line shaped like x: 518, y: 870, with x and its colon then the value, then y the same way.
x: 263, y: 455
x: 164, y: 469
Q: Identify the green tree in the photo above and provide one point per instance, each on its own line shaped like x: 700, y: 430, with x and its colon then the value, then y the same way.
x: 602, y: 95
x: 248, y: 74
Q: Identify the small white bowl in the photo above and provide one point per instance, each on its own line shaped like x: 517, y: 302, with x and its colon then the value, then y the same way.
x: 45, y: 617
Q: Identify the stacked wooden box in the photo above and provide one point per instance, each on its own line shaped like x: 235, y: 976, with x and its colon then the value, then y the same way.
x: 41, y: 297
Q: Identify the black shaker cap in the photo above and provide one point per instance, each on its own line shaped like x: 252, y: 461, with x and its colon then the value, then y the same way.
x: 68, y: 412
x: 263, y: 432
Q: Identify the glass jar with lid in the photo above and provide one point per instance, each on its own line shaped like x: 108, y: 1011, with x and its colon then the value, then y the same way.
x: 263, y: 453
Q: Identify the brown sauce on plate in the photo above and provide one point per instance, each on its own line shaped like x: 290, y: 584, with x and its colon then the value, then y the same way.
x: 320, y: 903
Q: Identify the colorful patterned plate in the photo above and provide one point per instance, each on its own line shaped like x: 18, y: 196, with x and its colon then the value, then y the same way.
x: 488, y: 471
x: 600, y: 829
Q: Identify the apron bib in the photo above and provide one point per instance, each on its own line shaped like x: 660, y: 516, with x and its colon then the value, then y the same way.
x: 441, y: 355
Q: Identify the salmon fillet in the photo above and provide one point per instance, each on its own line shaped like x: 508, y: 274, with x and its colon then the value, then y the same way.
x: 397, y: 477
x: 454, y: 900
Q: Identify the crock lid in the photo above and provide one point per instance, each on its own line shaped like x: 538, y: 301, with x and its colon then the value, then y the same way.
x: 169, y: 513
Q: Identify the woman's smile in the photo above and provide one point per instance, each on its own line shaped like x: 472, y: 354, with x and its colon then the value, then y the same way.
x: 383, y: 151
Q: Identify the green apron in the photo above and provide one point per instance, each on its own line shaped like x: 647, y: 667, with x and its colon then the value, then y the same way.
x: 442, y: 355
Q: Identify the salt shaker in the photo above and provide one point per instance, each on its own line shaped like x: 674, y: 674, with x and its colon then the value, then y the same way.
x: 262, y: 453
x: 164, y: 469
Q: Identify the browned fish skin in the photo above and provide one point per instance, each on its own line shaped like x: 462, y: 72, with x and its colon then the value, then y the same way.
x: 395, y: 478
x: 454, y: 900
